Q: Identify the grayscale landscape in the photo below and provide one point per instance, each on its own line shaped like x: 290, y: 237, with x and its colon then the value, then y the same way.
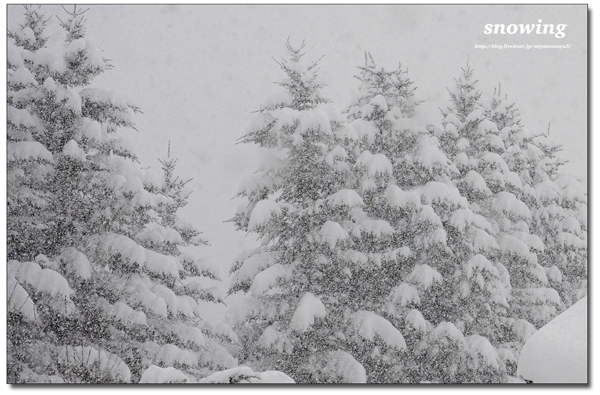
x: 297, y: 194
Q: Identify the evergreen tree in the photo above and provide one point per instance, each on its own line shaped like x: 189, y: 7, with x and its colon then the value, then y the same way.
x: 484, y: 179
x: 305, y: 314
x: 99, y: 290
x: 58, y: 166
x: 508, y: 260
x: 398, y: 200
x: 441, y: 238
x: 175, y: 189
x: 555, y: 198
x: 505, y: 291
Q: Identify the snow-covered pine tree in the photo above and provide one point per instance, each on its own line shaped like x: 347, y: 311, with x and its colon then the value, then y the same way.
x: 499, y: 287
x: 393, y: 159
x: 45, y: 214
x: 175, y: 189
x: 87, y: 301
x: 433, y: 227
x: 557, y: 204
x: 304, y: 313
x: 197, y: 284
x: 28, y: 160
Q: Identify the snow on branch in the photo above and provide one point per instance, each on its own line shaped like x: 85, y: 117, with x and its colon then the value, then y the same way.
x: 369, y: 325
x: 309, y: 308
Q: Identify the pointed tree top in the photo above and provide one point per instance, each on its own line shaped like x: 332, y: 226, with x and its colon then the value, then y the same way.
x: 75, y: 24
x: 466, y: 96
x: 296, y: 52
x: 301, y: 82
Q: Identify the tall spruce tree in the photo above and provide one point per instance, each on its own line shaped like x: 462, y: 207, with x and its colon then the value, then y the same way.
x: 306, y: 315
x: 510, y: 293
x: 380, y: 138
x: 555, y: 197
x: 441, y: 238
x: 479, y: 286
x: 403, y: 265
x: 98, y: 288
x: 58, y: 193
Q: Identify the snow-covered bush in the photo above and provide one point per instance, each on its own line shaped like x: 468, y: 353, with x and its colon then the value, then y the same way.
x: 244, y: 374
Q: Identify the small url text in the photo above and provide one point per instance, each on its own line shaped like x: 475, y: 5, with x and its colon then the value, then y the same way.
x: 522, y: 46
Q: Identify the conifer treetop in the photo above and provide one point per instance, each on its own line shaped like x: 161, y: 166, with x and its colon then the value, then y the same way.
x: 381, y: 91
x: 386, y: 82
x: 75, y: 24
x: 302, y: 79
x: 465, y: 97
x: 502, y: 112
x: 31, y: 35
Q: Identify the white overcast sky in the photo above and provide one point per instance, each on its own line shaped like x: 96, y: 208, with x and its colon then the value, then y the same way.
x: 199, y: 71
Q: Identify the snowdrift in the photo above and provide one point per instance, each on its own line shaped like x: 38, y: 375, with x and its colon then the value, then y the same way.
x: 557, y: 352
